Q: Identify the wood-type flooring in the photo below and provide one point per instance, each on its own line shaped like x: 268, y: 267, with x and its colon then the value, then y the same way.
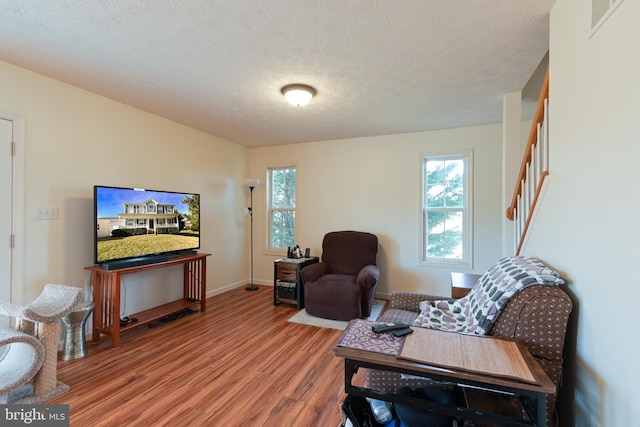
x: 238, y: 364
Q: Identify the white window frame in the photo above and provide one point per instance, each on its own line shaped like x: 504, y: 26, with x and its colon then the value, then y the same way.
x: 270, y: 208
x: 467, y: 240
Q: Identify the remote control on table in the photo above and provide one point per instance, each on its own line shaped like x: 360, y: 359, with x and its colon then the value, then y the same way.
x: 402, y: 332
x: 386, y: 327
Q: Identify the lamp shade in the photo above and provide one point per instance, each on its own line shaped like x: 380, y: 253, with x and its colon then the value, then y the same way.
x: 298, y: 94
x: 251, y: 182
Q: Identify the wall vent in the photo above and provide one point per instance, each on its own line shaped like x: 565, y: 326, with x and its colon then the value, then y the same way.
x: 600, y: 11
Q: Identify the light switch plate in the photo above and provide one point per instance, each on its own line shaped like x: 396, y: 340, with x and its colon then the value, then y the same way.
x: 46, y: 212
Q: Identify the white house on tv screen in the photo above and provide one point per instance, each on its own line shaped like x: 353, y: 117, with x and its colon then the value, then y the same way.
x: 149, y: 214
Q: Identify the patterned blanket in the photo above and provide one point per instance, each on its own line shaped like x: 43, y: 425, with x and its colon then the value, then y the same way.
x: 475, y: 313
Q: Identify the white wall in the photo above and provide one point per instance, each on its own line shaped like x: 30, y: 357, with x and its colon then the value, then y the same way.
x: 373, y: 184
x: 75, y: 139
x: 587, y: 225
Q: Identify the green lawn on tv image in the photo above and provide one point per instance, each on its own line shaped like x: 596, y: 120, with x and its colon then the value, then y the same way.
x: 132, y: 246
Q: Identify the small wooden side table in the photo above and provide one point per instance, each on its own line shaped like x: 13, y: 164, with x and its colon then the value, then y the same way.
x: 461, y: 284
x: 287, y: 283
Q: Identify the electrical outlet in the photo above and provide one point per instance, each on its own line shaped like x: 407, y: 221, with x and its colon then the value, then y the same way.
x: 46, y: 212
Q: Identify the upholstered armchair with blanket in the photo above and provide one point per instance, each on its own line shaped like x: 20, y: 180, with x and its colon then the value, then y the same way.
x: 343, y: 285
x: 517, y: 299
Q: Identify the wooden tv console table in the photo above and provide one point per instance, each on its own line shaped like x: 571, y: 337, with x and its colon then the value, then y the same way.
x: 106, y: 295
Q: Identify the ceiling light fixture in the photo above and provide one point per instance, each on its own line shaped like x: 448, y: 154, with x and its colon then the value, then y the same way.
x: 298, y: 94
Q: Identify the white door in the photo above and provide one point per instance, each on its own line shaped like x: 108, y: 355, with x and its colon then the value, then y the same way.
x: 6, y: 168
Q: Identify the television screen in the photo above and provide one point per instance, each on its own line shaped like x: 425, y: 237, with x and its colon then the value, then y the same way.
x: 133, y: 223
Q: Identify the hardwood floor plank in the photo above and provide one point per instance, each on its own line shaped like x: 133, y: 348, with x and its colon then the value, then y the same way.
x: 238, y: 364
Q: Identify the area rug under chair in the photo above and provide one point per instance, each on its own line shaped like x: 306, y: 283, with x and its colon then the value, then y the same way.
x: 304, y: 318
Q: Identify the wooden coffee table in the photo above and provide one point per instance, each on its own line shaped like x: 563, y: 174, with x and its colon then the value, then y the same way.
x: 532, y: 393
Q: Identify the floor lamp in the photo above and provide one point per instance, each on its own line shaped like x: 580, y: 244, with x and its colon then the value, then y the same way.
x: 251, y: 183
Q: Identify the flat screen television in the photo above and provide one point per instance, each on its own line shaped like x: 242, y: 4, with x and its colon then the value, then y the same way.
x: 136, y: 226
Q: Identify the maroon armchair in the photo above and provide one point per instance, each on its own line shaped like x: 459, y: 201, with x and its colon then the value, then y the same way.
x: 343, y: 285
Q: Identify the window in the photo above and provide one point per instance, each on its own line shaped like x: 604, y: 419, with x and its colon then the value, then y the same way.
x: 446, y: 209
x: 282, y: 207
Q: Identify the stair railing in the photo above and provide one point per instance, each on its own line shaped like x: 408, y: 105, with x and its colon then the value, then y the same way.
x: 534, y: 170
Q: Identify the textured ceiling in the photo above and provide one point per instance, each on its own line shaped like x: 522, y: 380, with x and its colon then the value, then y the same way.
x: 380, y: 66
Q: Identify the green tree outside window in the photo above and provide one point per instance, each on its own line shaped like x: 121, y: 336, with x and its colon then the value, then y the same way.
x: 444, y: 208
x: 282, y: 207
